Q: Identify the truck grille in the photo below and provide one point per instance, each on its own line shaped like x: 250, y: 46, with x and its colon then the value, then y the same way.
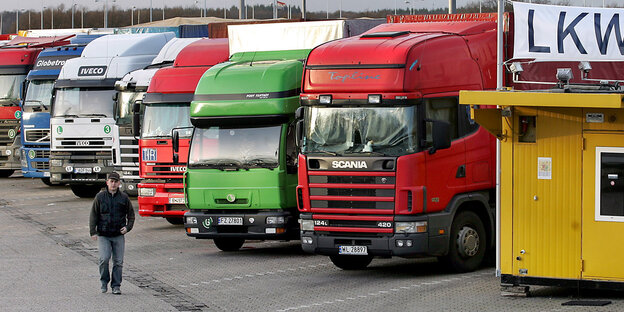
x: 38, y: 135
x: 40, y: 165
x: 81, y: 143
x: 6, y: 125
x: 42, y: 153
x: 164, y: 170
x: 353, y: 202
x: 129, y: 153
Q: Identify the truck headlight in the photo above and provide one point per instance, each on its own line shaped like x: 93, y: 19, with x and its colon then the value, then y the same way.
x: 275, y: 220
x: 147, y: 191
x: 410, y: 227
x: 189, y: 220
x: 56, y: 162
x: 307, y: 225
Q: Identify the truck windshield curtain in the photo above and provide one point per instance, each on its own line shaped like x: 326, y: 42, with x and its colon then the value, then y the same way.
x: 38, y: 96
x: 123, y: 115
x: 235, y: 148
x: 391, y: 131
x: 83, y: 102
x: 10, y: 89
x: 160, y: 119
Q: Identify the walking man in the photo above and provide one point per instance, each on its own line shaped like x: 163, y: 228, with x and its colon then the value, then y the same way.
x: 112, y: 216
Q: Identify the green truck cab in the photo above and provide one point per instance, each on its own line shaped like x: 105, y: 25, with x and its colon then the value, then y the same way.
x: 242, y: 171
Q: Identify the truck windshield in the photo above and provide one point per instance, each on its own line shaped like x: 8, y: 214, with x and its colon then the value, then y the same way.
x: 237, y: 148
x: 389, y: 131
x: 125, y: 100
x: 83, y: 102
x: 10, y: 89
x: 38, y: 96
x: 160, y: 119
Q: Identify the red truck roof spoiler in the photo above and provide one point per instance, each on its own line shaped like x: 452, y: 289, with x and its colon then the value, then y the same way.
x: 470, y: 17
x: 35, y: 42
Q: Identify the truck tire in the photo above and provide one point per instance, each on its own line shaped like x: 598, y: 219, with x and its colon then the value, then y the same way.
x: 6, y: 173
x: 229, y: 243
x: 175, y: 220
x: 467, y: 245
x: 85, y: 191
x: 351, y: 262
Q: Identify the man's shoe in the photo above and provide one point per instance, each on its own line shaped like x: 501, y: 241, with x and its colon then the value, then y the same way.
x: 104, y: 289
x: 116, y: 291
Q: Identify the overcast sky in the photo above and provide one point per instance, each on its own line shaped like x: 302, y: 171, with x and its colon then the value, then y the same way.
x: 313, y: 5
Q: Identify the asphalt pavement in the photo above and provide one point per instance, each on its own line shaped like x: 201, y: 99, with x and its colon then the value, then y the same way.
x: 48, y: 263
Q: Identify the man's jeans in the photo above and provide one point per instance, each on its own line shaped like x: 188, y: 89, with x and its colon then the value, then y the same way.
x: 108, y: 245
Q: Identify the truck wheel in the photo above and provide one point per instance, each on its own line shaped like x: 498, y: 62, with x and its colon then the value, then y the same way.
x: 85, y: 191
x: 229, y: 243
x: 467, y: 245
x: 351, y: 262
x: 175, y: 220
x: 6, y: 173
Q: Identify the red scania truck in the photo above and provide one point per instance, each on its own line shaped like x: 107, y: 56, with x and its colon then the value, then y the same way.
x: 167, y: 111
x: 390, y: 163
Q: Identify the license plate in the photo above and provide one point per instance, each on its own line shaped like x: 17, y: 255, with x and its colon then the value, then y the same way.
x: 46, y: 174
x: 82, y: 170
x: 230, y: 221
x: 177, y: 200
x: 353, y: 250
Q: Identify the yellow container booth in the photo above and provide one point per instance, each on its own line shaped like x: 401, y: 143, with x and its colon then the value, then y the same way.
x: 562, y: 185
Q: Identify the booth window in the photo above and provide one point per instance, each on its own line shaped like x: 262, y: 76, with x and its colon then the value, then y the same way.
x: 609, y: 184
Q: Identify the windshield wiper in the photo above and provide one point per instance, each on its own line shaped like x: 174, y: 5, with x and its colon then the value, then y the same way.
x: 93, y: 115
x: 223, y: 165
x: 41, y: 105
x: 68, y: 115
x: 365, y: 153
x: 324, y: 152
x: 262, y: 163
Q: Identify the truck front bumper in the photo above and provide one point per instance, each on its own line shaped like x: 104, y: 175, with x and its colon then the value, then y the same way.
x: 253, y: 225
x: 10, y: 157
x: 393, y: 244
x: 163, y: 203
x: 80, y: 173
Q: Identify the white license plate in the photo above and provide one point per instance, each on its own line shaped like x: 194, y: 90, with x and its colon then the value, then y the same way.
x: 82, y: 170
x: 46, y: 174
x: 353, y: 250
x: 230, y: 221
x: 177, y: 200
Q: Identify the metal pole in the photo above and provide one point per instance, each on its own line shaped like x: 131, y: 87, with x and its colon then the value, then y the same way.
x: 132, y: 16
x: 303, y: 9
x: 151, y: 9
x: 28, y: 19
x: 105, y: 13
x: 82, y: 18
x: 52, y: 20
x: 327, y: 9
x: 42, y: 16
x: 163, y: 10
x: 16, y: 21
x: 340, y: 10
x: 452, y: 6
x: 73, y: 7
x: 499, y: 86
x: 242, y: 12
x: 480, y: 6
x: 274, y: 9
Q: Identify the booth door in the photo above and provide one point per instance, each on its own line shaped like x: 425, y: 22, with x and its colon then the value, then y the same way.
x: 546, y: 193
x: 603, y: 207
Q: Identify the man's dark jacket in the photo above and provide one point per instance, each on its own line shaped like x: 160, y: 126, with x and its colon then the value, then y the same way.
x: 109, y: 213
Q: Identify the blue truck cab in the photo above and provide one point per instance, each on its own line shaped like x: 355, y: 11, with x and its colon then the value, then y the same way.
x: 35, y: 126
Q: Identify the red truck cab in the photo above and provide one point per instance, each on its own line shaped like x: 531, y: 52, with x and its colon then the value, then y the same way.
x: 17, y: 58
x: 390, y: 163
x: 167, y: 111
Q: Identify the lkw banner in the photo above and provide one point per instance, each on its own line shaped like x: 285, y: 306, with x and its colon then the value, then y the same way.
x: 549, y: 32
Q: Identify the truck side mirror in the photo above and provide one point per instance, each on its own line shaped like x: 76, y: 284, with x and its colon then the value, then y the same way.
x: 175, y: 142
x: 298, y: 133
x: 299, y: 113
x: 23, y: 91
x: 441, y: 134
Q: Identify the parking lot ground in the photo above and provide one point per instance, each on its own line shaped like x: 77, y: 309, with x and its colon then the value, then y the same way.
x: 49, y: 263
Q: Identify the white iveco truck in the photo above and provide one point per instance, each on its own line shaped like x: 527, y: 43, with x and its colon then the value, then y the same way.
x: 82, y: 125
x: 130, y: 90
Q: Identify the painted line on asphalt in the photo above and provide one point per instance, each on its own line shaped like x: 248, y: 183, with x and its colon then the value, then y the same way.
x: 385, y: 291
x: 240, y: 277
